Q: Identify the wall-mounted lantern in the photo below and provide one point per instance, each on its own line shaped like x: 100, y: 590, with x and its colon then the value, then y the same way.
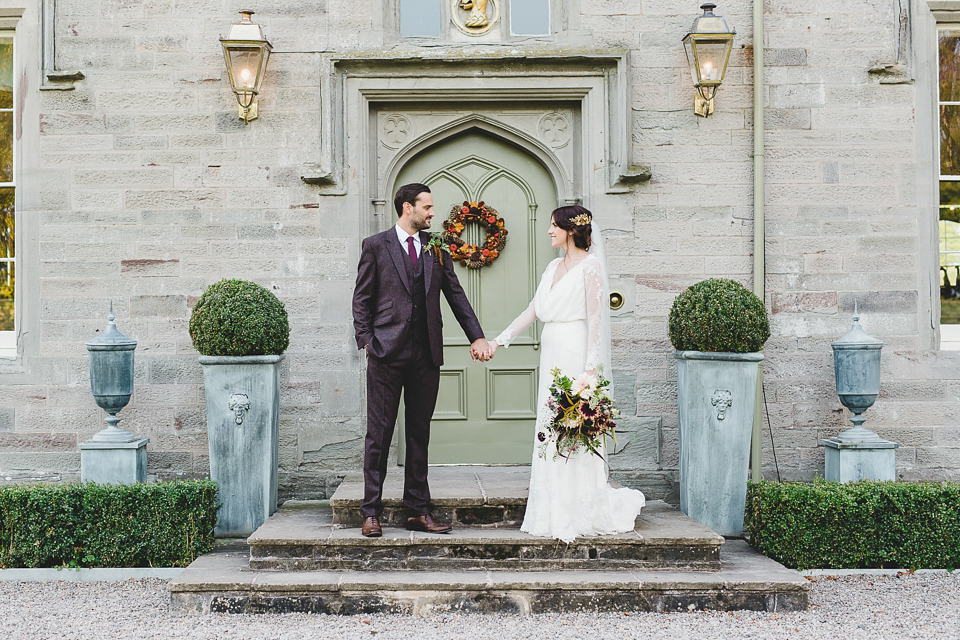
x: 708, y: 48
x: 246, y: 52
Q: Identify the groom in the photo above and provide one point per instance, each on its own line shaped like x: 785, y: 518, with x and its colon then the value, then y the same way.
x: 396, y: 316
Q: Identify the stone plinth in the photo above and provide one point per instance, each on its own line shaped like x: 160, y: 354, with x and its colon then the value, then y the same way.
x: 114, y: 462
x: 849, y: 461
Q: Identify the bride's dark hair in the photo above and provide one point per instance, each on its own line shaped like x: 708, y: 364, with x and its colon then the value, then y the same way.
x: 576, y: 220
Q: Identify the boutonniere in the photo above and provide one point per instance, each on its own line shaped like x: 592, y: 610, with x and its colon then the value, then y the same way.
x: 438, y: 245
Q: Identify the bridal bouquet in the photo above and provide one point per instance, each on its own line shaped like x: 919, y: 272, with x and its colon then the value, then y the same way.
x: 582, y: 414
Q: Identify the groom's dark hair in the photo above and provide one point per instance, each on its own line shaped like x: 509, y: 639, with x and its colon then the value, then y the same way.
x: 408, y: 193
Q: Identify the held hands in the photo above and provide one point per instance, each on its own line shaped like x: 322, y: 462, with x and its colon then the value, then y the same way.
x: 482, y: 350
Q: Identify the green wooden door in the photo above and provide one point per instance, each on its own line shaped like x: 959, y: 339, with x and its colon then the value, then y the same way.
x: 486, y: 411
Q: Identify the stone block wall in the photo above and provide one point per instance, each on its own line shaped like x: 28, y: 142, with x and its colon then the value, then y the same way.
x: 141, y: 186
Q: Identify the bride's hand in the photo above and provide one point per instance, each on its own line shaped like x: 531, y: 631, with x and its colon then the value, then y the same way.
x: 591, y: 372
x: 491, y: 348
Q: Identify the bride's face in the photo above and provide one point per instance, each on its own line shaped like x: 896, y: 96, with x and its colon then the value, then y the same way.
x: 558, y: 236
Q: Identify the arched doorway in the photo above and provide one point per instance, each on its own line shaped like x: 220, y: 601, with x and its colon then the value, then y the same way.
x: 486, y: 411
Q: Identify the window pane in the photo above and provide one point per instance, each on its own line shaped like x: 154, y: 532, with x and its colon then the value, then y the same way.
x: 7, y: 235
x: 950, y: 140
x: 419, y: 18
x: 6, y: 296
x: 950, y: 66
x: 532, y: 17
x: 6, y: 72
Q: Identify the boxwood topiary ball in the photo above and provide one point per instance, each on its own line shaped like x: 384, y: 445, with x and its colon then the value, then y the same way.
x: 239, y: 318
x: 718, y: 315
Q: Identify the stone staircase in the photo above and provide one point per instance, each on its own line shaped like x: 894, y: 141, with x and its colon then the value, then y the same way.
x: 310, y: 557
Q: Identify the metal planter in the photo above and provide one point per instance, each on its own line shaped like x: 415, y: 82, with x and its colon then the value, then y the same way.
x: 716, y: 393
x: 243, y: 403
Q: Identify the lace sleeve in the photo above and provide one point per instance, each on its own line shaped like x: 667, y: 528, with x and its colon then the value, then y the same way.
x: 521, y: 322
x: 593, y: 286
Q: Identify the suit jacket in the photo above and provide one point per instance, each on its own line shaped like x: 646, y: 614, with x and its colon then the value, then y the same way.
x: 383, y: 297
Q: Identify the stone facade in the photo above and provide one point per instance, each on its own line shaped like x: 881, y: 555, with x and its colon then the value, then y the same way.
x: 140, y: 185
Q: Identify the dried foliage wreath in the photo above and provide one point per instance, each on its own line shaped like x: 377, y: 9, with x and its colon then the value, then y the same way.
x: 472, y: 255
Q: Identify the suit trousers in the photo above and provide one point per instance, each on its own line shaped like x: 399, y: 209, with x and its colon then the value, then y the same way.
x: 413, y: 373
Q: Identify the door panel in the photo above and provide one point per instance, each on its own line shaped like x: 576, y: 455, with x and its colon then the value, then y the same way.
x: 486, y: 411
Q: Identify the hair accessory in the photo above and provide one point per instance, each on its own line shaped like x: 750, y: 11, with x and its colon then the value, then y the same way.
x: 581, y: 220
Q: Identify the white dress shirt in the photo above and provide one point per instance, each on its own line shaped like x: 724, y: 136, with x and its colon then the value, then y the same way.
x: 403, y: 235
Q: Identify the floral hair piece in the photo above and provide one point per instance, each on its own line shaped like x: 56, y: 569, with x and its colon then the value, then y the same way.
x: 581, y: 220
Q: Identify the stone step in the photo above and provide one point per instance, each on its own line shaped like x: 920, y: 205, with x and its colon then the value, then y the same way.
x: 223, y: 582
x: 301, y: 535
x: 465, y: 495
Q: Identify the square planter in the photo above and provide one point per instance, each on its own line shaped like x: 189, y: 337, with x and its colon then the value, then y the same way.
x: 715, y: 398
x: 243, y: 402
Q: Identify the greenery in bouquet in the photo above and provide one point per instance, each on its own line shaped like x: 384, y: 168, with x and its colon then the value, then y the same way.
x: 582, y: 415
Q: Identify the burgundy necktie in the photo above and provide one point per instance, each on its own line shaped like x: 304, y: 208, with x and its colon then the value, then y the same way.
x: 412, y: 251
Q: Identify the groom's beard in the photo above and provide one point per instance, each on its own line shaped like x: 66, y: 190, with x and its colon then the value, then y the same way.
x: 420, y: 223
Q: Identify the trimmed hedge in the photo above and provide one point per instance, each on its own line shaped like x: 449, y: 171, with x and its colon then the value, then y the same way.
x: 239, y: 318
x: 858, y: 525
x: 90, y: 525
x: 718, y: 315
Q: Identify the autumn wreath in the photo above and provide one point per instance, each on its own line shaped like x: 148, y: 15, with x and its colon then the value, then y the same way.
x: 472, y: 255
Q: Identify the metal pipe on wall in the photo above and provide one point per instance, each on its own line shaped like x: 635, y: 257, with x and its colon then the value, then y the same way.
x: 759, y: 233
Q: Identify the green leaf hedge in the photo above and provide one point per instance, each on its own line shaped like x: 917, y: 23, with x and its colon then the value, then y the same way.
x: 858, y: 525
x: 90, y: 525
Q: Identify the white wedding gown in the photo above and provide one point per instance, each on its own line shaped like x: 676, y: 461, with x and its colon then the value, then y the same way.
x: 570, y: 497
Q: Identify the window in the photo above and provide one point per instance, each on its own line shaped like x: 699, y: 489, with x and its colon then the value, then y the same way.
x: 7, y: 199
x: 420, y: 18
x: 530, y: 17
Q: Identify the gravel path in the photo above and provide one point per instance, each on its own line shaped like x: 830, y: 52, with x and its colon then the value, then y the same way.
x: 905, y: 606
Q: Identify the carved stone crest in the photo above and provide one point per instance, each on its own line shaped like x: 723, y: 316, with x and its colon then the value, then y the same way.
x: 554, y: 128
x: 395, y: 130
x: 721, y: 399
x: 239, y: 403
x: 475, y: 17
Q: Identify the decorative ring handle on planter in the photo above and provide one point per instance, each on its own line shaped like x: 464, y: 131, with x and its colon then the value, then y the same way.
x: 239, y: 404
x: 721, y: 399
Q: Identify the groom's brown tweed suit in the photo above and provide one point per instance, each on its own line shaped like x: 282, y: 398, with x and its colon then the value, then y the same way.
x: 396, y: 316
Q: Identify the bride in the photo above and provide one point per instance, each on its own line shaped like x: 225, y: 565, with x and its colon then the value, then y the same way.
x: 571, y: 497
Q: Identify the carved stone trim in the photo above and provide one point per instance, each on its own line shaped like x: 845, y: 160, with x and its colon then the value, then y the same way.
x: 475, y: 17
x: 395, y: 130
x: 555, y: 129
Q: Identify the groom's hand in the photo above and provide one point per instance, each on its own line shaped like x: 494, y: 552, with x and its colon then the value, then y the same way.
x: 480, y: 350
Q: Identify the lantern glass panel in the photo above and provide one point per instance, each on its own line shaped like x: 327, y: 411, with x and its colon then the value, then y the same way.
x: 244, y: 68
x: 691, y: 58
x: 711, y: 60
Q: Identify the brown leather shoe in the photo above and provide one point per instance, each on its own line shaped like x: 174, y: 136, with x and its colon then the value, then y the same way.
x: 371, y: 527
x: 426, y: 523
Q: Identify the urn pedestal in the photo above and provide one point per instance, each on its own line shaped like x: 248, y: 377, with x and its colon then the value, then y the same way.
x: 243, y: 402
x: 715, y: 399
